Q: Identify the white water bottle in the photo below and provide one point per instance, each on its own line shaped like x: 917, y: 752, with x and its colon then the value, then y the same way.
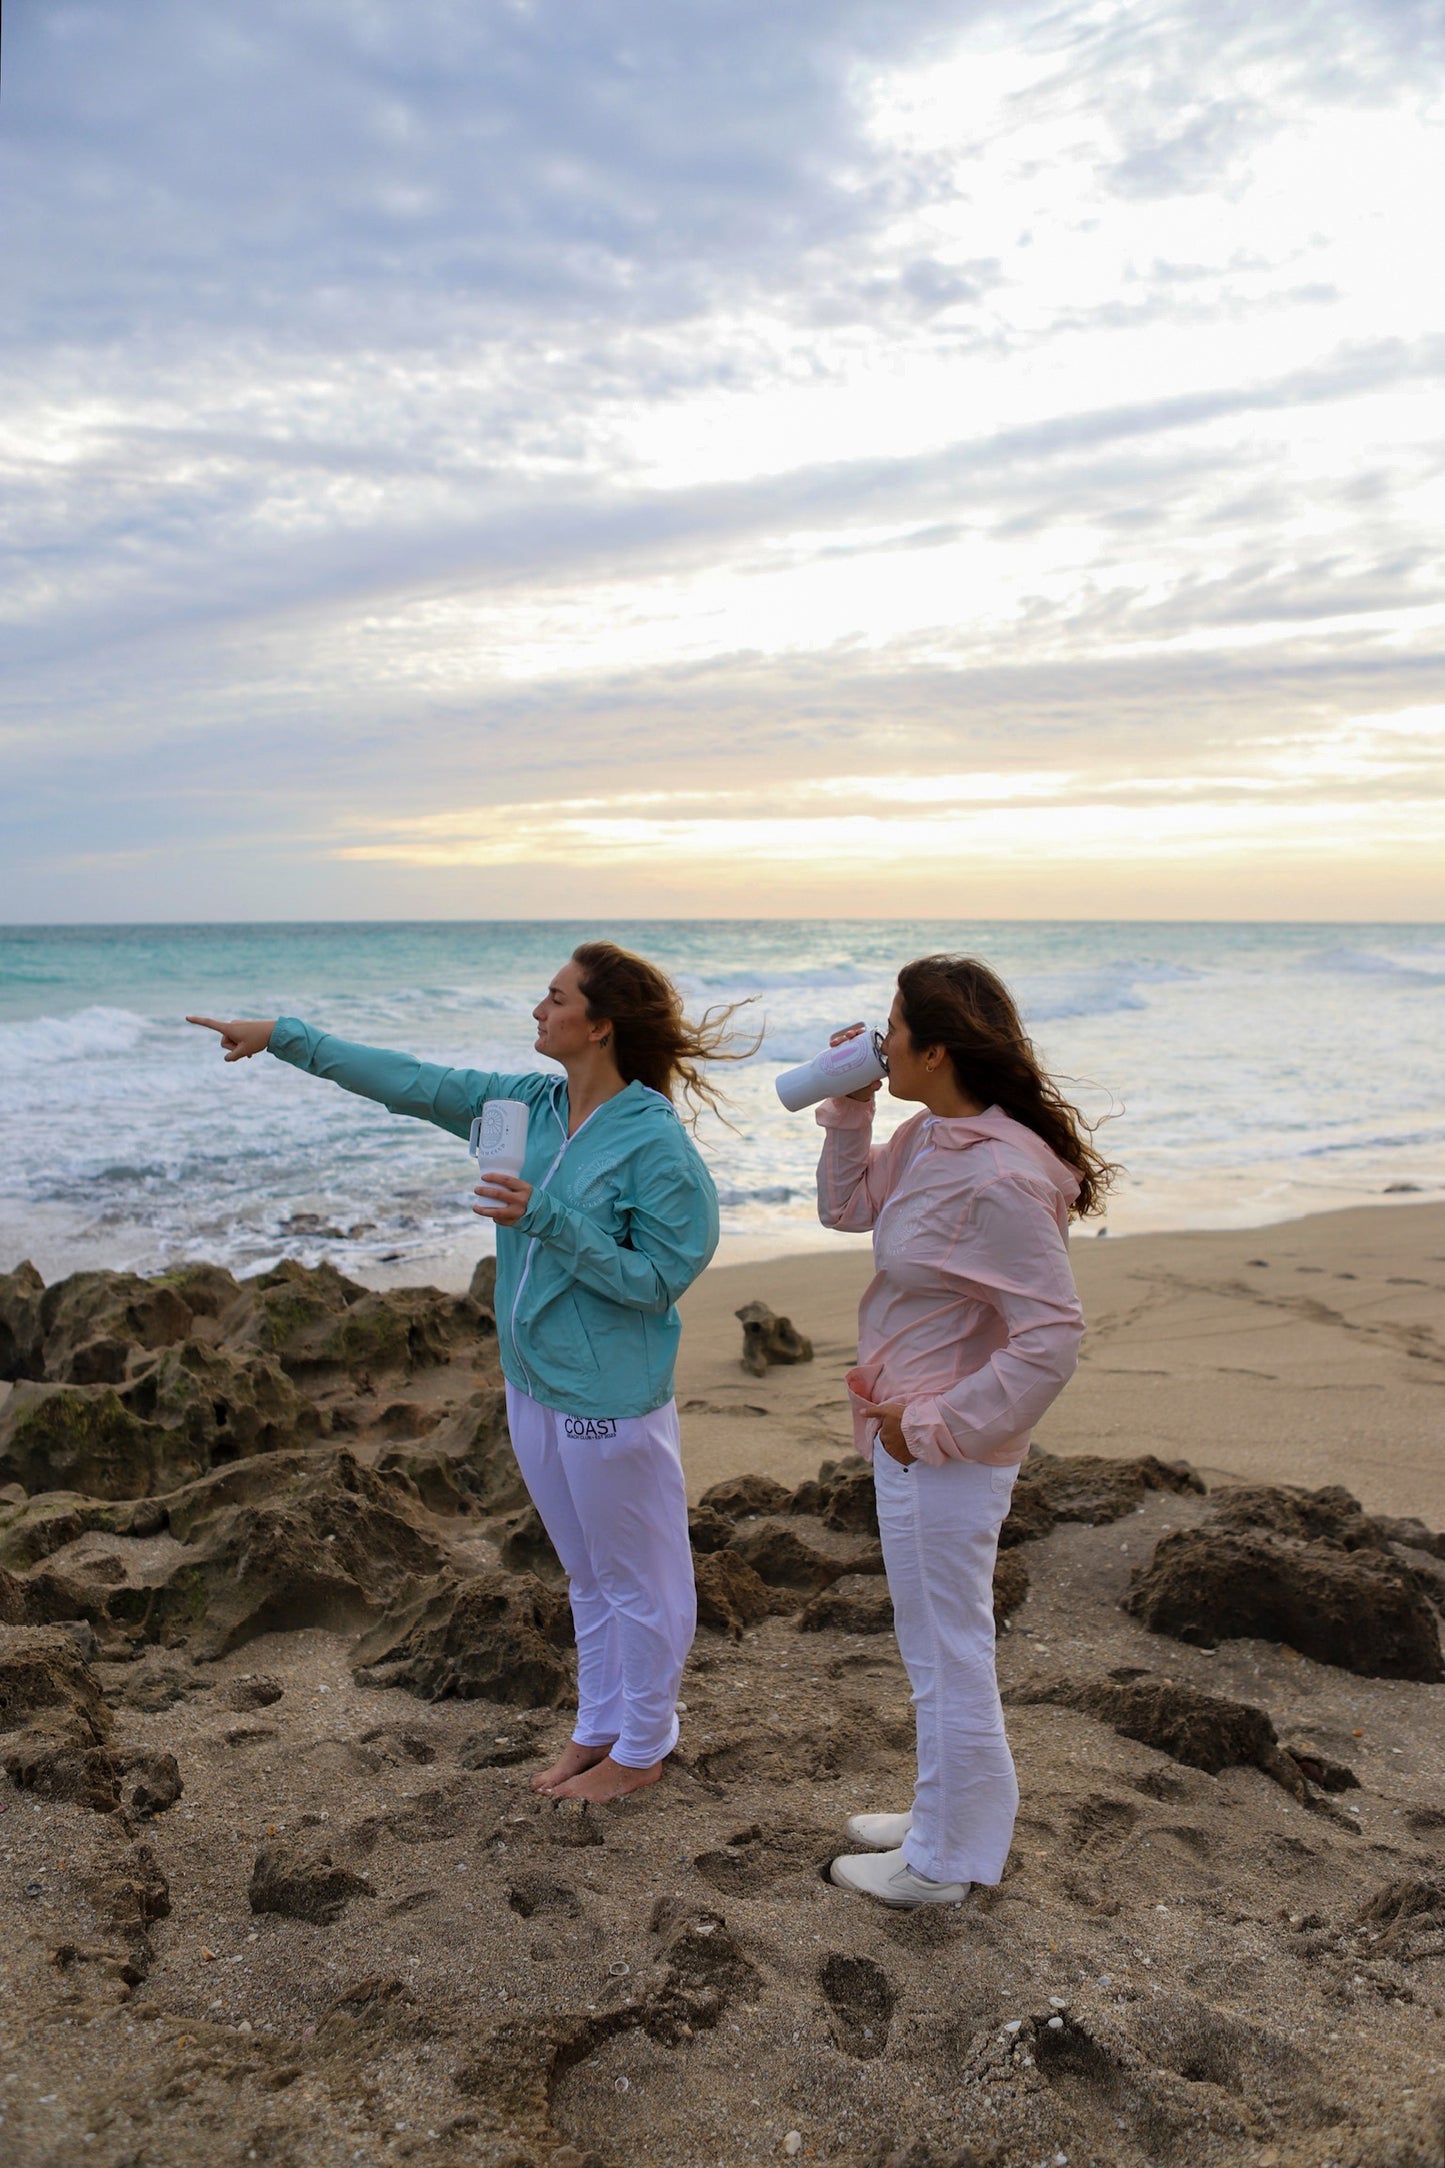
x: 498, y: 1142
x: 834, y: 1073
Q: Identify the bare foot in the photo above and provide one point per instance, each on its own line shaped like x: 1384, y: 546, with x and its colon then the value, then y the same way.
x: 571, y: 1762
x: 606, y: 1780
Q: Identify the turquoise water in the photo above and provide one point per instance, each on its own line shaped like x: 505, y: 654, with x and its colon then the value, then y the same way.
x: 1248, y: 1072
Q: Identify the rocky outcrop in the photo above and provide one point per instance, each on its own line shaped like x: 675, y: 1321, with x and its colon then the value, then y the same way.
x: 303, y: 1882
x: 799, y: 1558
x: 730, y: 1595
x: 150, y: 1781
x: 94, y: 1322
x: 857, y: 1603
x: 524, y: 1546
x: 22, y: 1337
x: 1087, y: 1487
x: 476, y: 1447
x: 1010, y: 1585
x: 842, y: 1496
x: 47, y: 1685
x: 133, y: 1386
x: 54, y: 1723
x: 1204, y: 1731
x: 708, y: 1531
x: 224, y: 1406
x: 35, y: 1528
x: 739, y: 1496
x: 265, y: 1546
x: 497, y: 1637
x: 768, y: 1339
x: 330, y: 1547
x: 1331, y: 1515
x: 84, y: 1438
x: 316, y: 1323
x: 1358, y: 1608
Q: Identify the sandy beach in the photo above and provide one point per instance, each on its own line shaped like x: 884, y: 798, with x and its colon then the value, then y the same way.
x: 1307, y: 1352
x: 281, y: 1649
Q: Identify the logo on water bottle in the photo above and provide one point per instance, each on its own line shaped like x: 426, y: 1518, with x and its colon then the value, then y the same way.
x: 494, y: 1129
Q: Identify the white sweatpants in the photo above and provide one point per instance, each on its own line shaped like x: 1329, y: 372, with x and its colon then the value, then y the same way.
x: 940, y: 1537
x: 611, y: 1496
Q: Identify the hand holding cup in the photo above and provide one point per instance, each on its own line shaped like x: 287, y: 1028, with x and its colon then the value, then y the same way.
x: 505, y: 1198
x: 869, y: 1092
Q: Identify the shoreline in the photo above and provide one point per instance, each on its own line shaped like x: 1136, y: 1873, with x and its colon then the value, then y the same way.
x: 451, y: 1268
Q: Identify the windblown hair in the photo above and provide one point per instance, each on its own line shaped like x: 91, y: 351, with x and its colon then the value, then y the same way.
x: 653, y: 1042
x: 959, y: 1004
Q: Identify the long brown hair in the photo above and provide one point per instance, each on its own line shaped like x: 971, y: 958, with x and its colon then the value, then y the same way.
x: 959, y: 1004
x: 653, y: 1042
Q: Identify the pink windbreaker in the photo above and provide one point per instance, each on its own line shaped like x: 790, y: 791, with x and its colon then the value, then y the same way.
x: 971, y: 1319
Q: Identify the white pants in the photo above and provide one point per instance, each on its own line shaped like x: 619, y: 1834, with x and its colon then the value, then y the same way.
x: 940, y: 1537
x: 611, y: 1496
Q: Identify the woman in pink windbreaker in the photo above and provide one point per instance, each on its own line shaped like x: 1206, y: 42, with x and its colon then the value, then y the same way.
x: 967, y: 1334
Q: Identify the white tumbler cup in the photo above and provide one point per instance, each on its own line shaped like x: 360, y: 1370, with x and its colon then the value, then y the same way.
x: 498, y: 1140
x: 834, y: 1073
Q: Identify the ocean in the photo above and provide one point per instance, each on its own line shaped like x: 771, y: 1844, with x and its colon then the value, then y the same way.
x: 1241, y: 1074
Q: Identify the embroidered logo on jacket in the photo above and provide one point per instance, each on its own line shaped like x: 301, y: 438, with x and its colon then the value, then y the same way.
x: 590, y: 1426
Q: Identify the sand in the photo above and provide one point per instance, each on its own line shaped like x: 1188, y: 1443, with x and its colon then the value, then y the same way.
x: 1179, y: 1967
x: 1309, y: 1352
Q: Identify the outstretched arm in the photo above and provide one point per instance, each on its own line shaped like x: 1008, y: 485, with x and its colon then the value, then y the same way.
x: 431, y: 1092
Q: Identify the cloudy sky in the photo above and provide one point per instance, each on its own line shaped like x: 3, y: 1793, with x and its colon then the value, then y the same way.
x: 551, y: 457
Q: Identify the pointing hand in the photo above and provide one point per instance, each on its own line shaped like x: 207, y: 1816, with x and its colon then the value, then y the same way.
x: 240, y: 1039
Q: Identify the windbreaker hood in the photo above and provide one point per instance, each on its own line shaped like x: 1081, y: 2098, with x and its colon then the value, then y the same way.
x: 956, y: 1133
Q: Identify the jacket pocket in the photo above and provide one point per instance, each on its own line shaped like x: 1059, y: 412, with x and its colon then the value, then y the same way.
x: 558, y: 1347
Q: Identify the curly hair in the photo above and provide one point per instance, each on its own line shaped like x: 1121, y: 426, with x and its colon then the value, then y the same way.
x: 959, y: 1004
x: 653, y: 1042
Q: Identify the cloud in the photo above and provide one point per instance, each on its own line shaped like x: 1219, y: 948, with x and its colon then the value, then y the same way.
x: 571, y: 396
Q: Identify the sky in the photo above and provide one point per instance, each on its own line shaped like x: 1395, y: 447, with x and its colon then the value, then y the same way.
x: 526, y: 458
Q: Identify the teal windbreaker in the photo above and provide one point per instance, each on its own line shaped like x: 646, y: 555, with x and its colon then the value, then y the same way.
x: 622, y: 1220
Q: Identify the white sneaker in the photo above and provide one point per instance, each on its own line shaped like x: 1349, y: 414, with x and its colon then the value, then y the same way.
x: 880, y: 1832
x: 888, y: 1877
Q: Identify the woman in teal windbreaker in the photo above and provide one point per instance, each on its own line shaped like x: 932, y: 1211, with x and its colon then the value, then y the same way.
x: 613, y: 1216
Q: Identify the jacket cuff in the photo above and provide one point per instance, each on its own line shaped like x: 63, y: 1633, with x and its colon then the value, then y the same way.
x: 925, y: 1434
x: 290, y: 1041
x: 844, y: 1114
x: 542, y: 1217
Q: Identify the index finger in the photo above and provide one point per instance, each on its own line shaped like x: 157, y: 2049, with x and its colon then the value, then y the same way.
x: 209, y: 1022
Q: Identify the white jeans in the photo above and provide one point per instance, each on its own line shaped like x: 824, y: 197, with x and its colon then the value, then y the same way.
x: 611, y: 1496
x: 940, y: 1537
